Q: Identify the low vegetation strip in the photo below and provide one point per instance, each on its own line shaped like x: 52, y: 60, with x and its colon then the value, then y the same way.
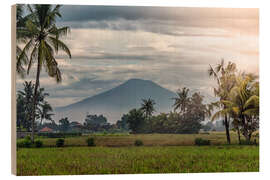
x: 216, y: 138
x: 129, y: 160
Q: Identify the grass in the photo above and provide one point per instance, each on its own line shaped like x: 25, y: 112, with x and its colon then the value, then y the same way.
x: 118, y: 140
x: 122, y: 140
x: 116, y: 154
x: 129, y: 160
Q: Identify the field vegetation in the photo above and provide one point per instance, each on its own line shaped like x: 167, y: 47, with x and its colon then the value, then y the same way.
x: 121, y: 140
x: 129, y: 160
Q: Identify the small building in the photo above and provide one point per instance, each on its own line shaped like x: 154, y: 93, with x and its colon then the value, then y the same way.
x: 46, y: 130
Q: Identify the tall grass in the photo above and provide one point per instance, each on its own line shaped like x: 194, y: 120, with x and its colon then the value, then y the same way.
x: 106, y: 160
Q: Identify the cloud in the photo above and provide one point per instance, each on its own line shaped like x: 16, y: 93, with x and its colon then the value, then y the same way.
x: 83, y: 12
x: 161, y: 19
x: 170, y: 46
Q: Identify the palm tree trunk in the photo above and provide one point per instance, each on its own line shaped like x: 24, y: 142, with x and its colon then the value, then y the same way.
x: 238, y: 133
x: 227, y: 130
x: 35, y: 100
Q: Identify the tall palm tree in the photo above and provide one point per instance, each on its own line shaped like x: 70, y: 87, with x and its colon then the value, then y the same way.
x: 225, y: 77
x: 147, y: 107
x: 243, y: 105
x: 181, y: 101
x: 42, y: 43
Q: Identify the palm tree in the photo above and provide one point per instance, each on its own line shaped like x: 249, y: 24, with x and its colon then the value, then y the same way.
x: 243, y: 105
x: 181, y: 101
x: 147, y: 107
x: 43, y: 41
x: 225, y: 76
x: 21, y: 36
x: 44, y: 112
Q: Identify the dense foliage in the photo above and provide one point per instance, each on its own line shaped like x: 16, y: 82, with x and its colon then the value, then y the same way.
x: 25, y: 98
x: 60, y: 142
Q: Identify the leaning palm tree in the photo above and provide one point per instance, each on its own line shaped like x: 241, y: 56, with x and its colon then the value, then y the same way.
x: 43, y: 42
x: 225, y: 77
x: 147, y: 107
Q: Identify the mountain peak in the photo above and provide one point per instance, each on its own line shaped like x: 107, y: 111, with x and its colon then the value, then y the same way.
x: 137, y: 80
x: 119, y: 100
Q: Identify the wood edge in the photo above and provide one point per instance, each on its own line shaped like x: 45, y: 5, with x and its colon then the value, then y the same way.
x: 13, y: 90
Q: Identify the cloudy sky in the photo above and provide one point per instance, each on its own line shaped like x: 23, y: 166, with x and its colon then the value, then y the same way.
x: 170, y: 46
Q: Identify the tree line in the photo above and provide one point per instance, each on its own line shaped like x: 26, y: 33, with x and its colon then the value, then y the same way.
x: 186, y: 117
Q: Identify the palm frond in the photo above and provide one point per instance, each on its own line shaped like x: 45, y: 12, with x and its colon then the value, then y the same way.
x: 59, y: 44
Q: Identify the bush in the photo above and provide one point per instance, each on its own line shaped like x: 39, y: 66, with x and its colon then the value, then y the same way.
x: 138, y: 143
x: 60, y: 142
x: 90, y: 142
x: 38, y: 143
x: 26, y: 143
x: 201, y: 142
x: 245, y: 142
x: 27, y: 138
x: 256, y: 135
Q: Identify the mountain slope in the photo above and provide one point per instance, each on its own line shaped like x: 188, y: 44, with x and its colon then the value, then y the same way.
x: 119, y: 100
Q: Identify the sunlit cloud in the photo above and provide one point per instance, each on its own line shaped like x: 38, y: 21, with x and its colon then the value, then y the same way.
x: 172, y: 47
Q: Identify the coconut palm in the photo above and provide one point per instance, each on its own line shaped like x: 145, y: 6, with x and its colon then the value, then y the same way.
x: 44, y: 112
x: 243, y: 106
x: 225, y: 77
x: 182, y: 99
x: 21, y: 36
x: 43, y: 42
x: 147, y: 107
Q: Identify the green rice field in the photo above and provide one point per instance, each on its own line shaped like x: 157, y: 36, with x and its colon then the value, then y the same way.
x: 116, y: 154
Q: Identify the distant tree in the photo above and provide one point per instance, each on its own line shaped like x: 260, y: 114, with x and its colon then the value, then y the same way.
x: 23, y: 120
x: 208, y: 126
x: 96, y: 122
x: 25, y: 105
x: 196, y: 111
x: 147, y: 107
x: 136, y: 120
x: 160, y: 123
x: 123, y: 123
x: 64, y: 124
x: 44, y: 112
x: 181, y: 101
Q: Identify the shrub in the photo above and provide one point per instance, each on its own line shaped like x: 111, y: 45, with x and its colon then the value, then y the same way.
x: 20, y: 144
x: 38, y: 143
x: 27, y: 138
x: 201, y: 142
x: 90, y: 142
x: 26, y: 143
x: 138, y: 143
x: 245, y: 142
x: 256, y: 135
x: 60, y: 142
